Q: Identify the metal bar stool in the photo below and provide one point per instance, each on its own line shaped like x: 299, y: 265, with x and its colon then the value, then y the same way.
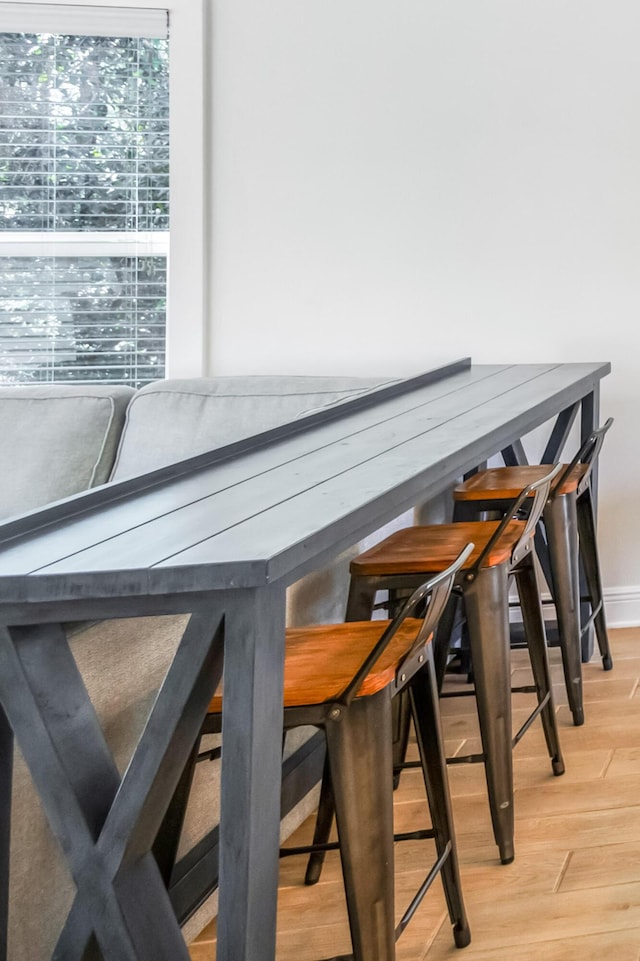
x: 502, y: 550
x: 568, y: 538
x: 342, y: 678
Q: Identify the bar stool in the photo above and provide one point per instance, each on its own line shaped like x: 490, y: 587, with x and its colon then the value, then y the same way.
x: 342, y: 678
x: 502, y: 549
x: 569, y: 537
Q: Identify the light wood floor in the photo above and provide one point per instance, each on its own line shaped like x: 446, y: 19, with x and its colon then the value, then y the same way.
x: 573, y: 892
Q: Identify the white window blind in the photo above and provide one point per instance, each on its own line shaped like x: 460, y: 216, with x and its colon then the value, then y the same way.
x: 84, y: 203
x: 83, y: 21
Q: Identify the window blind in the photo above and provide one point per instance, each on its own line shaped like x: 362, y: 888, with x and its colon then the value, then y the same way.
x: 78, y: 21
x: 84, y: 193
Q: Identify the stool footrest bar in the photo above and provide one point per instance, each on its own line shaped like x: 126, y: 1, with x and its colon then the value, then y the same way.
x: 422, y: 835
x: 467, y: 759
x: 534, y: 714
x: 587, y: 624
x: 422, y: 890
x: 213, y: 755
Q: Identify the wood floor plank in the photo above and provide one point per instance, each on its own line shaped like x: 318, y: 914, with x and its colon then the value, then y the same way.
x: 558, y: 916
x: 621, y: 945
x: 598, y: 794
x: 600, y: 867
x: 624, y: 760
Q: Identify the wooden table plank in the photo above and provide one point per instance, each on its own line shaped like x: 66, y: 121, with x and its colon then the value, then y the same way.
x: 316, y: 458
x: 462, y: 422
x: 42, y: 546
x: 317, y: 513
x: 164, y: 492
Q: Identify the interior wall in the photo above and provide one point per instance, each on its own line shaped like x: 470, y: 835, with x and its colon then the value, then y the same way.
x: 396, y: 184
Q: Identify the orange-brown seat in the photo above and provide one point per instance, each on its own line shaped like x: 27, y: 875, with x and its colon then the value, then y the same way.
x: 505, y: 483
x: 432, y: 548
x: 342, y: 678
x: 568, y: 537
x: 322, y: 659
x: 501, y: 549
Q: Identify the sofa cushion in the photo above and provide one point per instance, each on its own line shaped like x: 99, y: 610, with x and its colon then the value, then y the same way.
x: 170, y: 420
x: 57, y: 440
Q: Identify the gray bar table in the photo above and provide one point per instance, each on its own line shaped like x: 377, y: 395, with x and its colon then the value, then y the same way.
x: 221, y: 536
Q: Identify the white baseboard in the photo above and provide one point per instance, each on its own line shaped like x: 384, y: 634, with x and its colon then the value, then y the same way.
x: 622, y: 606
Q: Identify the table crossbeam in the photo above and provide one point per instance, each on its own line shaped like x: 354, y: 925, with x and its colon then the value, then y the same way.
x: 106, y: 825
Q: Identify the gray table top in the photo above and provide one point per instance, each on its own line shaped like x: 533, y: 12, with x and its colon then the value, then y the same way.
x: 278, y: 505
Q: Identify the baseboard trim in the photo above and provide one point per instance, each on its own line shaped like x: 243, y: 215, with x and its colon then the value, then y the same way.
x: 622, y: 606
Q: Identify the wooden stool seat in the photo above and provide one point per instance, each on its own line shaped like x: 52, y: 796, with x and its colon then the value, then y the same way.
x: 321, y: 660
x: 505, y: 483
x: 432, y: 547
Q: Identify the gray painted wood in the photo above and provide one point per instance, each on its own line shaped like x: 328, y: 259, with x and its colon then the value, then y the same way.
x: 133, y: 503
x: 358, y: 472
x: 313, y: 460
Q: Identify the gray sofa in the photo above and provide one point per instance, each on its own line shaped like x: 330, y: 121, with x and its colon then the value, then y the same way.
x: 60, y: 440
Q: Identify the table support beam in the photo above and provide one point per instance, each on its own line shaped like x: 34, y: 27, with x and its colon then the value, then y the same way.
x: 250, y: 790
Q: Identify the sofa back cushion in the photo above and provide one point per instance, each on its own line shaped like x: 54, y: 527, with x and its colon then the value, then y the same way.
x: 171, y: 420
x: 57, y: 440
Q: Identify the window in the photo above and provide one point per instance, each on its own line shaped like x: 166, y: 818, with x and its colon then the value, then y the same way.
x: 84, y: 192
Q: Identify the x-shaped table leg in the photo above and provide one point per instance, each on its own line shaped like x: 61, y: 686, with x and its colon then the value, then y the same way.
x: 106, y: 824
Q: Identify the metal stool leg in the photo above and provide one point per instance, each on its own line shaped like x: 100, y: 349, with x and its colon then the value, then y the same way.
x: 362, y: 593
x: 537, y: 646
x: 561, y: 525
x: 6, y: 781
x: 401, y: 714
x: 487, y: 608
x: 424, y: 699
x: 442, y: 639
x: 359, y: 747
x: 324, y: 820
x: 591, y: 565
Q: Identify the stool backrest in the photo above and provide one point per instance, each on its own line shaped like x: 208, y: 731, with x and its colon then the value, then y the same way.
x: 431, y: 599
x: 588, y: 454
x: 541, y: 491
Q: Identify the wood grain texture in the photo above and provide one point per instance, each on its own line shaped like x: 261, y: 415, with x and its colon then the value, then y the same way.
x: 320, y: 661
x: 505, y: 483
x: 433, y: 547
x: 275, y: 509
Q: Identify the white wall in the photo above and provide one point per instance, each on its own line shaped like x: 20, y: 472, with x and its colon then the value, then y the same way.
x: 397, y: 182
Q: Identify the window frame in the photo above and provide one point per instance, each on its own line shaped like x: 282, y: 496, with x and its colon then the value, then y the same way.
x: 187, y: 300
